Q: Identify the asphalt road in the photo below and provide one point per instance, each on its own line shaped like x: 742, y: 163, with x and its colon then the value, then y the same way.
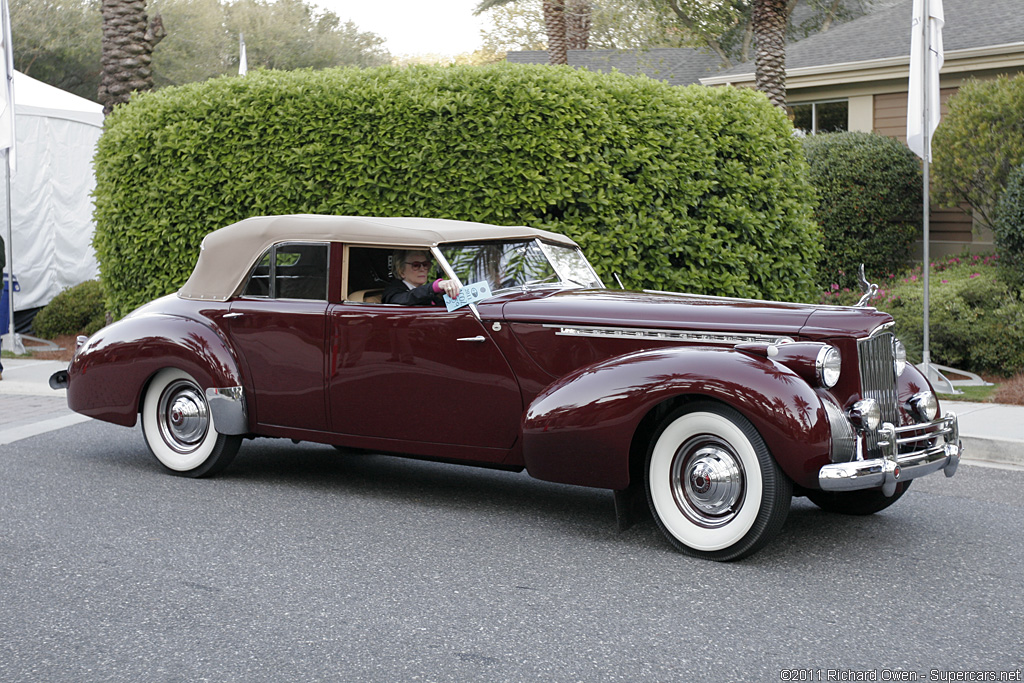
x: 302, y: 564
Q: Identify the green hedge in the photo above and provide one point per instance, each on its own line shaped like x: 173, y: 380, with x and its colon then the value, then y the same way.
x: 692, y: 189
x: 76, y: 310
x: 869, y: 208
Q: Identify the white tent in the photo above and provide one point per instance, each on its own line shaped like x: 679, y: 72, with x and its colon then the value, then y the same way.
x: 51, y: 202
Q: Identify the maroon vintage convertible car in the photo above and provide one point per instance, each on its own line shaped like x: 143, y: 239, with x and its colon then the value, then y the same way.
x: 719, y: 410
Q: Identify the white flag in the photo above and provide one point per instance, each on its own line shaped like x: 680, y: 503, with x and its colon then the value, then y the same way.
x: 7, y: 87
x: 243, y: 62
x: 925, y: 61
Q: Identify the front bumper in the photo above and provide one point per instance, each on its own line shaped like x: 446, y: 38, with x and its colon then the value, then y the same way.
x: 907, y: 453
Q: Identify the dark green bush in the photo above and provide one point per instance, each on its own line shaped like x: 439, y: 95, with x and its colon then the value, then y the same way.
x: 1008, y: 229
x: 674, y: 188
x: 977, y: 320
x: 76, y: 310
x: 869, y: 203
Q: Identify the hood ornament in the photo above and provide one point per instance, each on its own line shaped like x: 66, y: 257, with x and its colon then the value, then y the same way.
x: 870, y: 289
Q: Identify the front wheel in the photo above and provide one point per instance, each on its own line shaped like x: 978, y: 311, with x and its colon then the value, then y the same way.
x: 714, y: 489
x: 179, y: 430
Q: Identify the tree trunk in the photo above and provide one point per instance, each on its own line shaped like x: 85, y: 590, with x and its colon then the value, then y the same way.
x: 128, y: 42
x: 554, y: 23
x: 770, y: 19
x: 577, y: 24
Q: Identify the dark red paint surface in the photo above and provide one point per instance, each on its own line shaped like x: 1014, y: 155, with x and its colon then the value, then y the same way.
x: 505, y: 389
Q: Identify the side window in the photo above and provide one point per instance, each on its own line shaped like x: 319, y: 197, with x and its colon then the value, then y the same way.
x: 300, y: 271
x: 259, y: 280
x: 369, y: 270
x: 290, y: 271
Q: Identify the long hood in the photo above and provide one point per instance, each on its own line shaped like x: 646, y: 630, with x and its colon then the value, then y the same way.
x: 670, y: 311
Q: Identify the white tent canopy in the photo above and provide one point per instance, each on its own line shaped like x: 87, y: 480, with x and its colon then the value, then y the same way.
x: 51, y: 202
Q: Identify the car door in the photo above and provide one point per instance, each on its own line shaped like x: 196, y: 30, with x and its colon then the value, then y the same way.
x: 278, y: 326
x: 419, y: 374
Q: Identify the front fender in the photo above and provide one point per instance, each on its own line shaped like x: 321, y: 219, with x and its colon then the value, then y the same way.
x: 110, y: 371
x: 579, y: 430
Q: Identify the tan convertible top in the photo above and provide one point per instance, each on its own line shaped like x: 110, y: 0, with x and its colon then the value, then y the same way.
x: 228, y: 255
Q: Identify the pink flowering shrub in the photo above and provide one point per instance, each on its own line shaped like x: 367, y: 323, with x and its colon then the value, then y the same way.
x: 977, y: 320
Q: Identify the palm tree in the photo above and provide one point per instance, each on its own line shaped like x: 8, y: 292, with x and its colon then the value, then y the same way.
x: 554, y: 24
x: 128, y: 42
x: 577, y: 24
x: 770, y: 20
x: 567, y: 23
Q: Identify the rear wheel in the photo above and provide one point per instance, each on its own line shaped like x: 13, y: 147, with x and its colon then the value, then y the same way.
x: 713, y: 487
x: 179, y: 430
x: 856, y: 502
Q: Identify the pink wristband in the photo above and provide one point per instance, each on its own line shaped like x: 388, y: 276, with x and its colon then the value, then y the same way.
x: 435, y: 287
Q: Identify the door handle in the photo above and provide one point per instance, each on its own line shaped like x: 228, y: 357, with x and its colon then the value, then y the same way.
x: 232, y: 315
x: 478, y: 338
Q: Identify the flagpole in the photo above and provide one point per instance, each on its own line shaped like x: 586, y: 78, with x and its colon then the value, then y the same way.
x: 926, y: 199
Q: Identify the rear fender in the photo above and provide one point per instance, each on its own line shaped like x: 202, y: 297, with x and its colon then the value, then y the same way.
x: 579, y: 430
x: 109, y: 373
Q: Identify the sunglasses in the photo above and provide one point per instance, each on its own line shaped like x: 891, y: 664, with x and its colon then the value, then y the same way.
x: 418, y: 264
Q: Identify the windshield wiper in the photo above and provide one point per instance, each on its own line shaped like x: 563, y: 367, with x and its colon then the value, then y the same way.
x: 540, y: 281
x: 550, y: 278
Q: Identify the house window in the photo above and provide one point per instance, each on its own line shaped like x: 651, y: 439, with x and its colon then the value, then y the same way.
x: 811, y: 118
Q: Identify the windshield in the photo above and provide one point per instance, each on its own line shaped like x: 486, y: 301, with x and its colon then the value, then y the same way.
x: 520, y: 263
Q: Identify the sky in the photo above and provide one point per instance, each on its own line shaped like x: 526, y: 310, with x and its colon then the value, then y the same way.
x: 414, y: 27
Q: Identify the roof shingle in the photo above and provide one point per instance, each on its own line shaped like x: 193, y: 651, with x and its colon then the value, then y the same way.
x: 886, y: 33
x: 675, y: 66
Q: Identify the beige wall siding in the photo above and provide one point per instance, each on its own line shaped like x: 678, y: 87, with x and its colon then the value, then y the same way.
x: 860, y: 113
x: 890, y: 118
x: 891, y: 113
x: 950, y: 225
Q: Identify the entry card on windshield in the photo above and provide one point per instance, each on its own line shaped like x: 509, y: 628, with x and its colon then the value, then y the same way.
x: 470, y: 294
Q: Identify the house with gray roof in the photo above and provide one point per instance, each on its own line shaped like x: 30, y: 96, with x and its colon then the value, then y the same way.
x: 854, y: 76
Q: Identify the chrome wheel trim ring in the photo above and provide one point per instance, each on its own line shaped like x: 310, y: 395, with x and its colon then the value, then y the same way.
x: 183, y: 416
x: 707, y: 481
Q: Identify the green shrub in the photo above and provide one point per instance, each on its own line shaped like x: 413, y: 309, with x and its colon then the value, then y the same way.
x: 869, y: 203
x: 979, y: 143
x: 1009, y: 229
x: 976, y: 320
x: 76, y: 310
x: 699, y: 189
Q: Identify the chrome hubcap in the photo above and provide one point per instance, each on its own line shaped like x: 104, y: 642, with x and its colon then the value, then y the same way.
x: 707, y: 481
x: 184, y: 416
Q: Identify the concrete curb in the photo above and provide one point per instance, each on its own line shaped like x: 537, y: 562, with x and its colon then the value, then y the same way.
x: 993, y: 450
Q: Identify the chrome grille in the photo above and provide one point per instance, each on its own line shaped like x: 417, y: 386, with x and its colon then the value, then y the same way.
x: 878, y: 381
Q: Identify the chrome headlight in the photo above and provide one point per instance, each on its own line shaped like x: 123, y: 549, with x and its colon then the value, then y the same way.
x: 866, y: 414
x: 828, y: 366
x: 925, y: 405
x: 899, y: 352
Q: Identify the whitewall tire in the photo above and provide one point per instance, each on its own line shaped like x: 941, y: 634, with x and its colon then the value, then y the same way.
x: 179, y: 429
x: 713, y: 487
